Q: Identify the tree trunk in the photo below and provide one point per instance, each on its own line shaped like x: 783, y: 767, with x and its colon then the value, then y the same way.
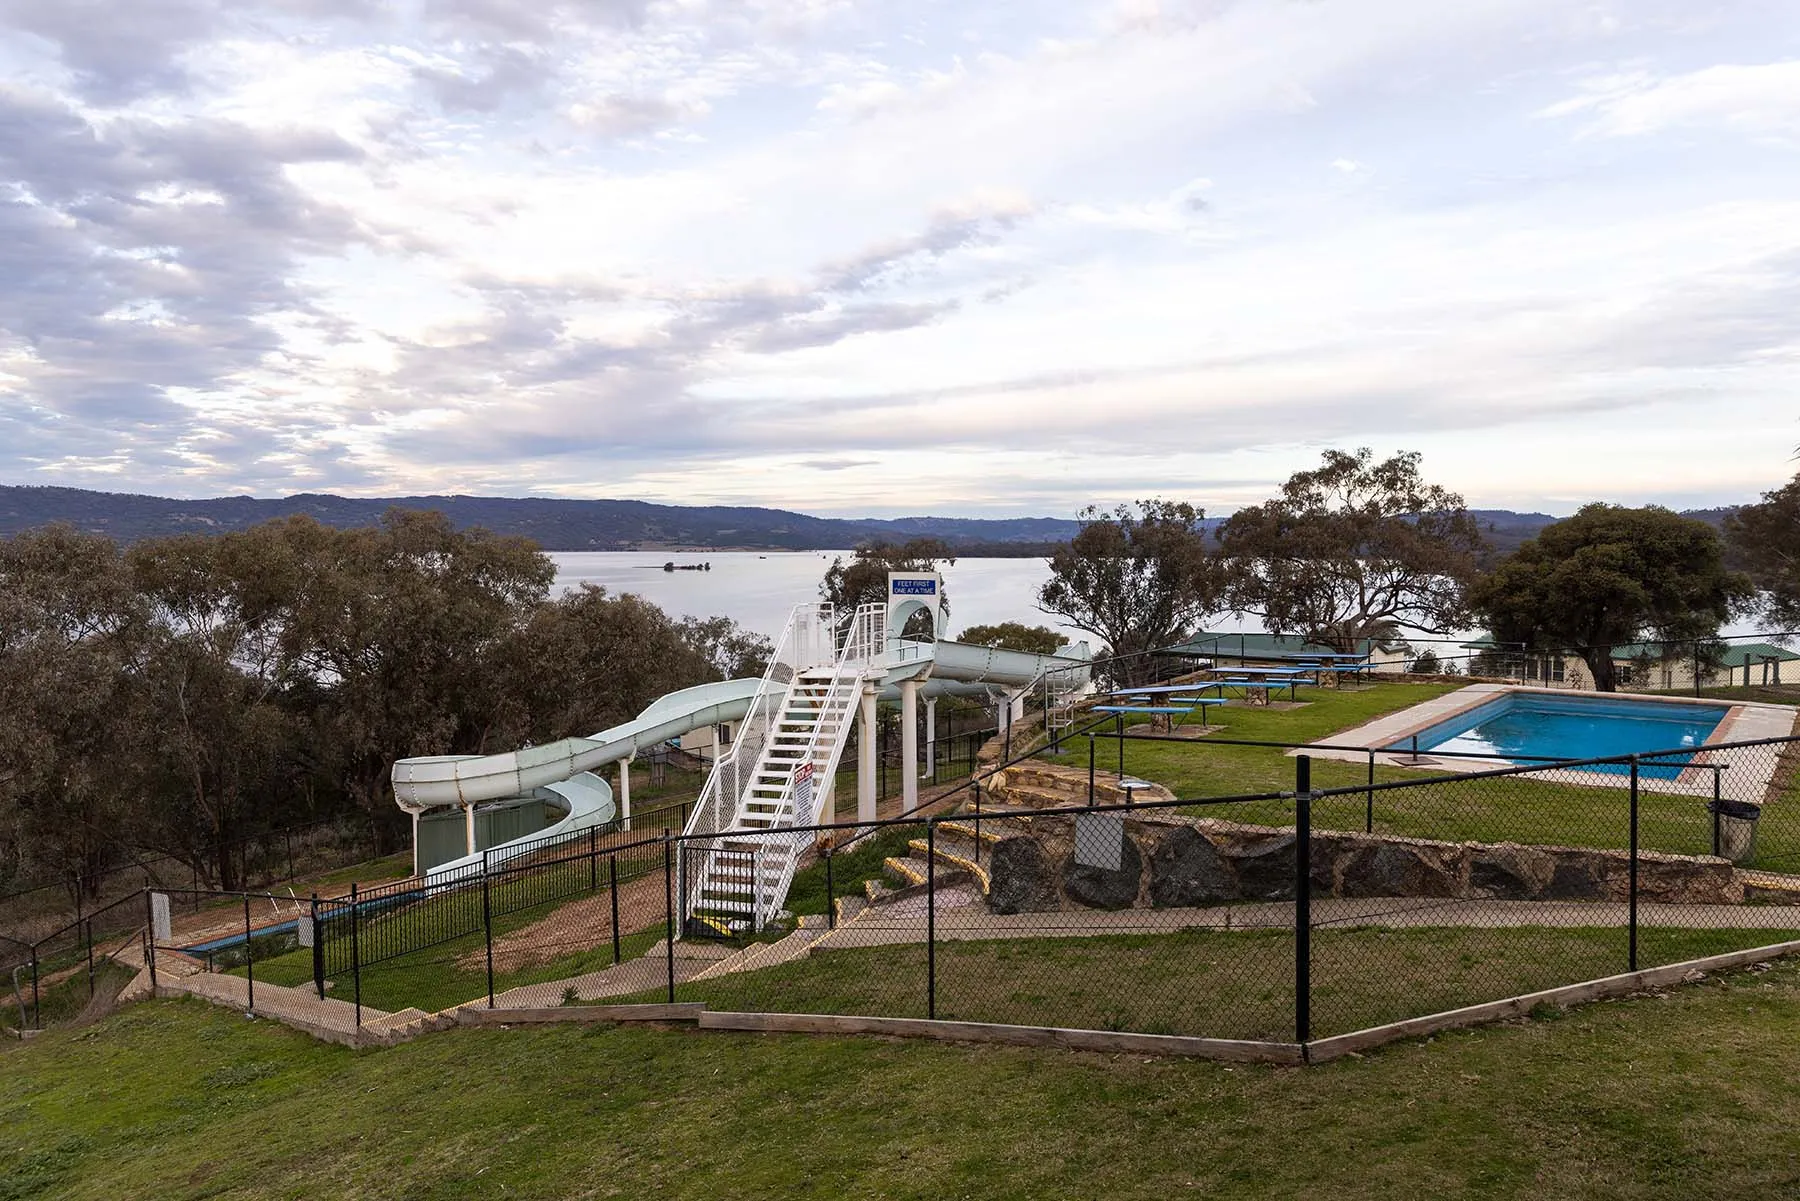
x: 1600, y: 664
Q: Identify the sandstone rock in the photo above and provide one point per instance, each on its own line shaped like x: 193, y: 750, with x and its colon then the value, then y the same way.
x: 1669, y: 880
x: 1186, y: 869
x: 1509, y: 872
x: 1022, y: 877
x: 1577, y: 876
x: 1391, y: 868
x: 1105, y: 888
x: 1263, y: 864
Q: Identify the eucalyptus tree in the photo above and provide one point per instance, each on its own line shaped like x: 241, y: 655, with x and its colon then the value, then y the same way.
x: 1611, y: 576
x: 1353, y: 550
x: 1767, y: 538
x: 1141, y: 580
x: 72, y: 635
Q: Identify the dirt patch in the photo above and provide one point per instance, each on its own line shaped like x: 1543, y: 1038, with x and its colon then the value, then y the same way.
x: 576, y: 926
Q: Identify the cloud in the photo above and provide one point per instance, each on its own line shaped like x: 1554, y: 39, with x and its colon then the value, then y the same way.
x: 1022, y: 255
x: 1757, y: 99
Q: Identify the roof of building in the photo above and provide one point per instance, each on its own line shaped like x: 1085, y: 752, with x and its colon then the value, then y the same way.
x: 1735, y: 654
x: 1234, y: 645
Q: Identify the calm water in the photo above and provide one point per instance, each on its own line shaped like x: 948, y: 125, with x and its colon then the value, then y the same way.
x: 1578, y: 726
x: 759, y: 590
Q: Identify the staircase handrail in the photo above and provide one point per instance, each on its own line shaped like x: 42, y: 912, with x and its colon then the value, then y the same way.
x: 861, y: 644
x: 864, y: 642
x: 708, y: 816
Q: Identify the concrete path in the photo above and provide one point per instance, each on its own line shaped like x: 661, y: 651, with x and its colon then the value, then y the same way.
x: 889, y: 925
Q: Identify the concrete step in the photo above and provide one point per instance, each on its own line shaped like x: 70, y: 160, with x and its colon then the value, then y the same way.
x: 907, y: 870
x: 954, y: 855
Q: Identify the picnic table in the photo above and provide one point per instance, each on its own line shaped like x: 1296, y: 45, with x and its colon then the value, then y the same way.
x: 1262, y: 679
x: 1336, y: 667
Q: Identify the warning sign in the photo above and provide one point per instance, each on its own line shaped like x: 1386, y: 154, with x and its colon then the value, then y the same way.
x: 803, y: 790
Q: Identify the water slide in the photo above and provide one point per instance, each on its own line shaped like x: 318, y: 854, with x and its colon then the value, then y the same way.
x: 564, y: 771
x: 563, y: 768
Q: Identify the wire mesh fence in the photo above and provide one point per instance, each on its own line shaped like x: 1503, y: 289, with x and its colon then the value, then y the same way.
x: 1324, y: 905
x: 259, y: 860
x: 60, y: 977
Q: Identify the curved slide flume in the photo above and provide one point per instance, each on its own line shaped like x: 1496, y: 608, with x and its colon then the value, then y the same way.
x: 566, y: 768
x: 563, y: 767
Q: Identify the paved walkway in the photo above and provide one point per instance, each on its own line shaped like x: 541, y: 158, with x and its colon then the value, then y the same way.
x: 888, y: 925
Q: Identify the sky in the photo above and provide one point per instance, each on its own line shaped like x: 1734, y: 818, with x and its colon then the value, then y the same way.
x: 881, y: 258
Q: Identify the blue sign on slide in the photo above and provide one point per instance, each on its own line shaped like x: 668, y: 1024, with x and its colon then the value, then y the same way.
x: 915, y: 587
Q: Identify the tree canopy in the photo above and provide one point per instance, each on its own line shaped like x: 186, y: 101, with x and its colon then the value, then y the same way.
x: 1015, y: 636
x: 1140, y: 580
x: 195, y: 690
x: 1353, y: 550
x: 1611, y: 576
x: 1767, y: 537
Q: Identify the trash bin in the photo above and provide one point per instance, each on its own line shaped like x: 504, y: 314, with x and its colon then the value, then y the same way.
x: 1734, y: 829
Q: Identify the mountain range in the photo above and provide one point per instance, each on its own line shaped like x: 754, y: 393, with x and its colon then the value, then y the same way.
x: 578, y: 525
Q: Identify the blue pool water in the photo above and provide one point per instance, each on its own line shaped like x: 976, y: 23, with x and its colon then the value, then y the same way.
x: 374, y: 905
x: 1576, y: 726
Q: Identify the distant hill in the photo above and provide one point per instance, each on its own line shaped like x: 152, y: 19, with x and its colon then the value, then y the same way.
x: 574, y: 525
x: 558, y: 525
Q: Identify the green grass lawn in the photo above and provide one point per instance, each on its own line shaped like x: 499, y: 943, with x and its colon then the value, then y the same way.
x: 1531, y: 809
x: 452, y: 972
x: 1213, y: 984
x: 1684, y: 1095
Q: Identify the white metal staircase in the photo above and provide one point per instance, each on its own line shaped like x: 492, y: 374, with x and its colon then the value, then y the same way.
x: 779, y: 772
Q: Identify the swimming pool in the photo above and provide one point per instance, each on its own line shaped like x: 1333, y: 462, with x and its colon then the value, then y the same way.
x: 1575, y: 725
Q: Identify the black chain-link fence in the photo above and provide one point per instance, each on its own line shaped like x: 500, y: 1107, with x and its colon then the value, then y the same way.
x: 1287, y: 915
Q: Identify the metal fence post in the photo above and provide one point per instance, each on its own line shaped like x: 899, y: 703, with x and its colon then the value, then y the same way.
x: 593, y: 858
x: 978, y: 823
x: 487, y: 929
x: 249, y: 957
x: 1303, y: 899
x: 37, y: 1021
x: 355, y: 958
x: 1120, y: 718
x: 1715, y: 810
x: 930, y: 918
x: 287, y: 838
x: 1632, y: 958
x: 830, y: 892
x: 150, y: 937
x: 1369, y: 797
x: 612, y: 880
x: 1090, y: 739
x: 669, y: 909
x: 318, y: 949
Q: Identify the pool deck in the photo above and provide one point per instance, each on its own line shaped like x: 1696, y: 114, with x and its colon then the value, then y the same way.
x: 1747, y: 779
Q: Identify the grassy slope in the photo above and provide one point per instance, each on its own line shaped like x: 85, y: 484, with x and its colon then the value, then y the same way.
x: 1683, y: 1095
x: 1208, y: 983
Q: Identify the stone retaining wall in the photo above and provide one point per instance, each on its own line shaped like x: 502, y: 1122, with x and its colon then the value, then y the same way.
x: 1035, y: 785
x: 1172, y: 861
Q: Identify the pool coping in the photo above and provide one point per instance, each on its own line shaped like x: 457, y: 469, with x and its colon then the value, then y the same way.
x: 1743, y: 721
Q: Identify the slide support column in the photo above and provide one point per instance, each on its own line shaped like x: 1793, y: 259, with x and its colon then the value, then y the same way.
x: 865, y: 756
x: 931, y: 738
x: 909, y: 745
x: 625, y: 792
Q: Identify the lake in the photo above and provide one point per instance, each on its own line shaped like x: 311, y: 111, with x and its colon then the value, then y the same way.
x: 759, y: 590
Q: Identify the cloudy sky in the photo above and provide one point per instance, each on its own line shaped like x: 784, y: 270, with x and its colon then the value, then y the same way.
x: 853, y: 256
